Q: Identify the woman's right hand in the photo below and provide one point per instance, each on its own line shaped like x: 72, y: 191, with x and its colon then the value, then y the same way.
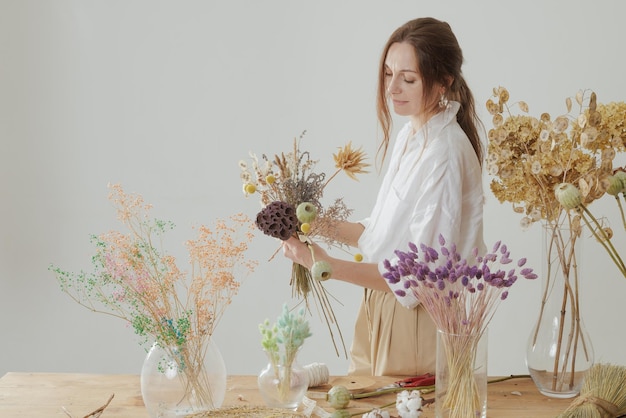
x: 302, y: 252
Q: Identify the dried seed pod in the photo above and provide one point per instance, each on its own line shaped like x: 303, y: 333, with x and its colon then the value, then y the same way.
x: 278, y: 220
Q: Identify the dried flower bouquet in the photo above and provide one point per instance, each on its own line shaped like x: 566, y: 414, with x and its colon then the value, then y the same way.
x: 291, y: 198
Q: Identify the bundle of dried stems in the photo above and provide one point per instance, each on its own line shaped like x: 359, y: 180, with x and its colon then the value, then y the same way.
x: 603, y: 394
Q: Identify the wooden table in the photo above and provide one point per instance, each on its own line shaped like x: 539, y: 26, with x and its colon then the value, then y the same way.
x: 47, y: 394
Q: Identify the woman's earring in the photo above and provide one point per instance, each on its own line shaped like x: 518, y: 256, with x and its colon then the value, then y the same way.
x: 443, y: 101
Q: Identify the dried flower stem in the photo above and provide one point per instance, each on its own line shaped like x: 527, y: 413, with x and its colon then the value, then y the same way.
x: 567, y: 262
x: 94, y: 414
x: 462, y: 394
x: 603, y: 239
x: 621, y: 209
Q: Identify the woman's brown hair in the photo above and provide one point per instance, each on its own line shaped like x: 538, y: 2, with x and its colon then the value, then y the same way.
x: 439, y: 60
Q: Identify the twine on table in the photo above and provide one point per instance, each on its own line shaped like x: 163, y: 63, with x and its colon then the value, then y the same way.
x: 318, y: 374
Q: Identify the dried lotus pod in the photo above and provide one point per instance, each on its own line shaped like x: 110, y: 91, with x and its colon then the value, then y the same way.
x: 278, y: 220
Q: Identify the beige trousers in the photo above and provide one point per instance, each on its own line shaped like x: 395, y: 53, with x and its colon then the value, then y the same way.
x: 391, y: 340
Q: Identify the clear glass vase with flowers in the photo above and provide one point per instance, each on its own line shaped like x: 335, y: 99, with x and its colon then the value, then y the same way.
x: 551, y: 170
x: 175, y: 313
x: 461, y: 295
x: 283, y: 383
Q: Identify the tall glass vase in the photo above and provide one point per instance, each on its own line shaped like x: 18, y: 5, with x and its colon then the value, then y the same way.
x: 559, y: 351
x: 180, y: 380
x: 461, y: 375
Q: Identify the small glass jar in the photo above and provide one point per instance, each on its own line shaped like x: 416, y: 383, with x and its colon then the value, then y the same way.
x: 283, y: 382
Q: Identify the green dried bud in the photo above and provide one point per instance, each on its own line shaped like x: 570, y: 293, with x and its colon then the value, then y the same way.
x: 321, y: 270
x: 615, y: 185
x: 621, y: 175
x: 338, y: 397
x: 306, y: 212
x: 568, y: 195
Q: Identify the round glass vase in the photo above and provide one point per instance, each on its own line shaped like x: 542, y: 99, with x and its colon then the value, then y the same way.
x: 461, y: 375
x: 283, y: 382
x: 559, y: 351
x: 177, y: 381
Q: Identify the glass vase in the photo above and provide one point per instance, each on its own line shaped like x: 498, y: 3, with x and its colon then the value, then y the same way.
x: 283, y: 382
x: 559, y: 351
x: 179, y: 380
x: 461, y: 375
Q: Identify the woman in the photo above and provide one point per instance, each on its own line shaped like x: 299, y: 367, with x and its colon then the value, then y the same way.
x: 433, y: 185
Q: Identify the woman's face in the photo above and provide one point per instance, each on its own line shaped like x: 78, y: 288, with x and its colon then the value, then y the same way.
x: 404, y: 82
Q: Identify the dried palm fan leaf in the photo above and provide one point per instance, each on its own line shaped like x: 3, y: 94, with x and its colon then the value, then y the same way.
x: 603, y: 394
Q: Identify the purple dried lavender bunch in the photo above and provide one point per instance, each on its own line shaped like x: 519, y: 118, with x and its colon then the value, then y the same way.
x: 455, y: 291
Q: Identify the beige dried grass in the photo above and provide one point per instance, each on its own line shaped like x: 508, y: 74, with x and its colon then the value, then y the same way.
x: 603, y: 394
x: 247, y: 411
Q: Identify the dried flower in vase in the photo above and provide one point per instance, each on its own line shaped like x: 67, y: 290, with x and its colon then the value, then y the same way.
x: 291, y: 194
x: 281, y: 384
x: 140, y: 283
x: 461, y: 296
x: 552, y: 170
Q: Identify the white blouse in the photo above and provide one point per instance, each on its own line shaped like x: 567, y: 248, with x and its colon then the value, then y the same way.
x: 433, y: 185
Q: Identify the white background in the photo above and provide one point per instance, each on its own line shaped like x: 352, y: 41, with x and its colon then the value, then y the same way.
x: 166, y: 97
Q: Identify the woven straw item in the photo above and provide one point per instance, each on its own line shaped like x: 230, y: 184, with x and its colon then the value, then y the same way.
x: 247, y: 411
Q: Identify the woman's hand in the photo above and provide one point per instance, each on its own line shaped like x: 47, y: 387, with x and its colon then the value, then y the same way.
x: 362, y: 274
x: 302, y: 253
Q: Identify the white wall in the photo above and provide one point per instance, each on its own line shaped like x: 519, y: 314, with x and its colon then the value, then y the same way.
x: 166, y: 96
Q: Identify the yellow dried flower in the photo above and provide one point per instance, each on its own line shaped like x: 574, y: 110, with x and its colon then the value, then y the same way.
x: 351, y: 161
x: 503, y: 95
x: 529, y: 157
x: 305, y: 228
x: 523, y: 107
x: 492, y: 107
x: 249, y: 188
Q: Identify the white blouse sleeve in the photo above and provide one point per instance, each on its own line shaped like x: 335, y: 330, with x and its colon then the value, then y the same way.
x: 437, y: 209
